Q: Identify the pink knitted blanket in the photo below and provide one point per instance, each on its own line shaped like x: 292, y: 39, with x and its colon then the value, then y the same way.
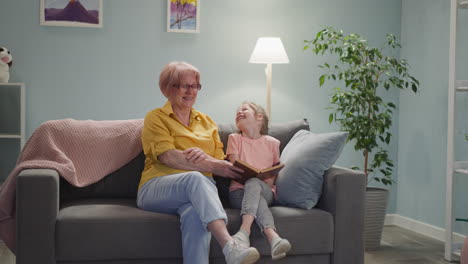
x: 82, y: 152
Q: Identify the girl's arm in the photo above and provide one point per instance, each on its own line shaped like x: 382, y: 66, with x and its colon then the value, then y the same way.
x: 233, y: 157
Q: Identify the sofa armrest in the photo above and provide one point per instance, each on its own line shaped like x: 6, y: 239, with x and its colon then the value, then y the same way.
x: 344, y: 197
x: 37, y: 205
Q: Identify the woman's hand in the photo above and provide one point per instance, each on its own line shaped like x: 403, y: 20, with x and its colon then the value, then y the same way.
x: 195, y: 154
x: 226, y: 169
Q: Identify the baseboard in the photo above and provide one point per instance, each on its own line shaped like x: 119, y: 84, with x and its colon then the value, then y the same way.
x: 421, y: 227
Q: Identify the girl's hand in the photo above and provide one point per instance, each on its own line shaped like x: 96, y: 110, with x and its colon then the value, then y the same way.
x: 227, y: 170
x: 194, y: 154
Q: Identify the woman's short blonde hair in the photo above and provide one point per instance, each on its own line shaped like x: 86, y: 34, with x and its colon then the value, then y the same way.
x: 258, y: 109
x: 172, y: 73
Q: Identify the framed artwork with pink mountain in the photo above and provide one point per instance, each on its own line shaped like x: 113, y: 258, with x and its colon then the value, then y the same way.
x: 183, y: 16
x: 71, y: 13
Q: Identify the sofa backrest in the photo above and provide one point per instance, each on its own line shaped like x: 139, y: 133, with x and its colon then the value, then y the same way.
x: 123, y: 183
x: 281, y: 131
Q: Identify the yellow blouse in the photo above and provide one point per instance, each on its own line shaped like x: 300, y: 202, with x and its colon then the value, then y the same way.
x: 162, y: 131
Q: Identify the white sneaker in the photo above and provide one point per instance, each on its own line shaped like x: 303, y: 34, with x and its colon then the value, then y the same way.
x: 279, y: 247
x: 237, y: 254
x: 243, y: 238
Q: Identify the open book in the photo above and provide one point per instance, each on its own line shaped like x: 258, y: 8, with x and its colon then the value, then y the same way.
x: 250, y: 171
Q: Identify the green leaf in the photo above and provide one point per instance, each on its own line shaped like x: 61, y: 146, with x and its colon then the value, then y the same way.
x: 330, y: 118
x: 414, y: 87
x: 347, y: 83
x: 414, y: 80
x: 322, y: 80
x: 319, y: 34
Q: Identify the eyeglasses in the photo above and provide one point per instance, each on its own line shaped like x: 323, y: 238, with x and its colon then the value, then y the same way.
x: 185, y: 87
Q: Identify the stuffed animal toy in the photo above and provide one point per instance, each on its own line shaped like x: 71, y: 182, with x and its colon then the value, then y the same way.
x: 5, y: 63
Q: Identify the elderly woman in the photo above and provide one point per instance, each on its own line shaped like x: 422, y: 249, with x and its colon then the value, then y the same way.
x: 183, y: 150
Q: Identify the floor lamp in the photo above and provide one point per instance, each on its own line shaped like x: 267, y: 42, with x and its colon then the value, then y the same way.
x: 269, y: 51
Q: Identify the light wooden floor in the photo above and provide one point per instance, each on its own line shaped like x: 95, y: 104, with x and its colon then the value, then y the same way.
x: 399, y: 246
x: 402, y: 246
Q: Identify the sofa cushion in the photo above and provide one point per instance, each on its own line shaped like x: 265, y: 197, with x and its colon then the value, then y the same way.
x: 119, y: 230
x: 122, y: 183
x: 306, y: 157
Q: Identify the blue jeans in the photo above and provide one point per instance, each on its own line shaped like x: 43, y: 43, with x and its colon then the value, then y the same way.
x: 192, y: 196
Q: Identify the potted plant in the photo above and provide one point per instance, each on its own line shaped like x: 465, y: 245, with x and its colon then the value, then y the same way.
x: 362, y: 72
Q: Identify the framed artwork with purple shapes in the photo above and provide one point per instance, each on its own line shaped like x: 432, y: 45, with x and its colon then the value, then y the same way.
x: 71, y: 13
x: 183, y: 16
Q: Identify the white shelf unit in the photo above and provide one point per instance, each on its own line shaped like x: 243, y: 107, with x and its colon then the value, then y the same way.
x: 463, y: 4
x: 12, y: 125
x: 454, y: 167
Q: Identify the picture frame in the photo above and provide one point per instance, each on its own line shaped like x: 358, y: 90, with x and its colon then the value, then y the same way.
x: 71, y: 13
x: 183, y: 16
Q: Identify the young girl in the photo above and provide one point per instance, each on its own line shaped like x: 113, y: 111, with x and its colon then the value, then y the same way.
x: 254, y: 146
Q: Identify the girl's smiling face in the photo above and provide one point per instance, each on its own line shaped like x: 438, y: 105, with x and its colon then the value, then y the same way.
x: 246, y: 117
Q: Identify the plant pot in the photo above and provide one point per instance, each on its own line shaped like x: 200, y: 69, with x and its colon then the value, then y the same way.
x: 376, y: 209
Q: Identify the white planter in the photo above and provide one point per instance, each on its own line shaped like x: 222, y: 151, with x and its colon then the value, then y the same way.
x: 376, y: 208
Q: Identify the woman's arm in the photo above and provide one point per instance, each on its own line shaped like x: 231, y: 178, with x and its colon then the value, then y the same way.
x: 177, y: 159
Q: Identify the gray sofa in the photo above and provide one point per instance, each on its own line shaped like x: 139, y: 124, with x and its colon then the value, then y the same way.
x: 58, y: 223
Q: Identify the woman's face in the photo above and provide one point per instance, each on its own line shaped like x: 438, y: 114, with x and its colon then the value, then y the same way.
x: 246, y: 117
x: 182, y: 96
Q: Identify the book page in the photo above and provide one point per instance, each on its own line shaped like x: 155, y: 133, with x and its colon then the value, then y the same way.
x: 270, y: 172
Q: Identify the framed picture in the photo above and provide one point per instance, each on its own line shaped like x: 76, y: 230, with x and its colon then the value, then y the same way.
x: 183, y: 16
x: 71, y: 13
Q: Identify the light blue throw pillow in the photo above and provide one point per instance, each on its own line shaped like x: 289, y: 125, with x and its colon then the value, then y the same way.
x: 306, y: 157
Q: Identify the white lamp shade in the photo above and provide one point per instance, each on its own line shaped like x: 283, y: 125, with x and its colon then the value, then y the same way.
x: 269, y: 50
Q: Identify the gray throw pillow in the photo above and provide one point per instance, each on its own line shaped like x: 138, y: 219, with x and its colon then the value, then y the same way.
x: 306, y: 157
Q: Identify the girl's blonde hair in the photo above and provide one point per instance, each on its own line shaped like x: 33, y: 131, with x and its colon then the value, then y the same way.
x: 172, y: 73
x: 258, y: 109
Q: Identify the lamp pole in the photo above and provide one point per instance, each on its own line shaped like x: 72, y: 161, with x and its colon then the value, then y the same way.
x: 268, y: 73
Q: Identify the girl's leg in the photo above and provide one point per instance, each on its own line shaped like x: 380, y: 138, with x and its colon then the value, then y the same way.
x: 233, y: 251
x: 242, y: 236
x: 257, y: 197
x: 235, y: 198
x: 256, y: 188
x: 251, y: 200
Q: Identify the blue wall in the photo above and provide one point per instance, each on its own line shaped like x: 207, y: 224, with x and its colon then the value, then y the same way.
x: 423, y: 119
x: 111, y: 73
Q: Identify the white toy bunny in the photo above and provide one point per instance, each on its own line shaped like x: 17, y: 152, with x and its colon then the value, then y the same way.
x: 5, y: 63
